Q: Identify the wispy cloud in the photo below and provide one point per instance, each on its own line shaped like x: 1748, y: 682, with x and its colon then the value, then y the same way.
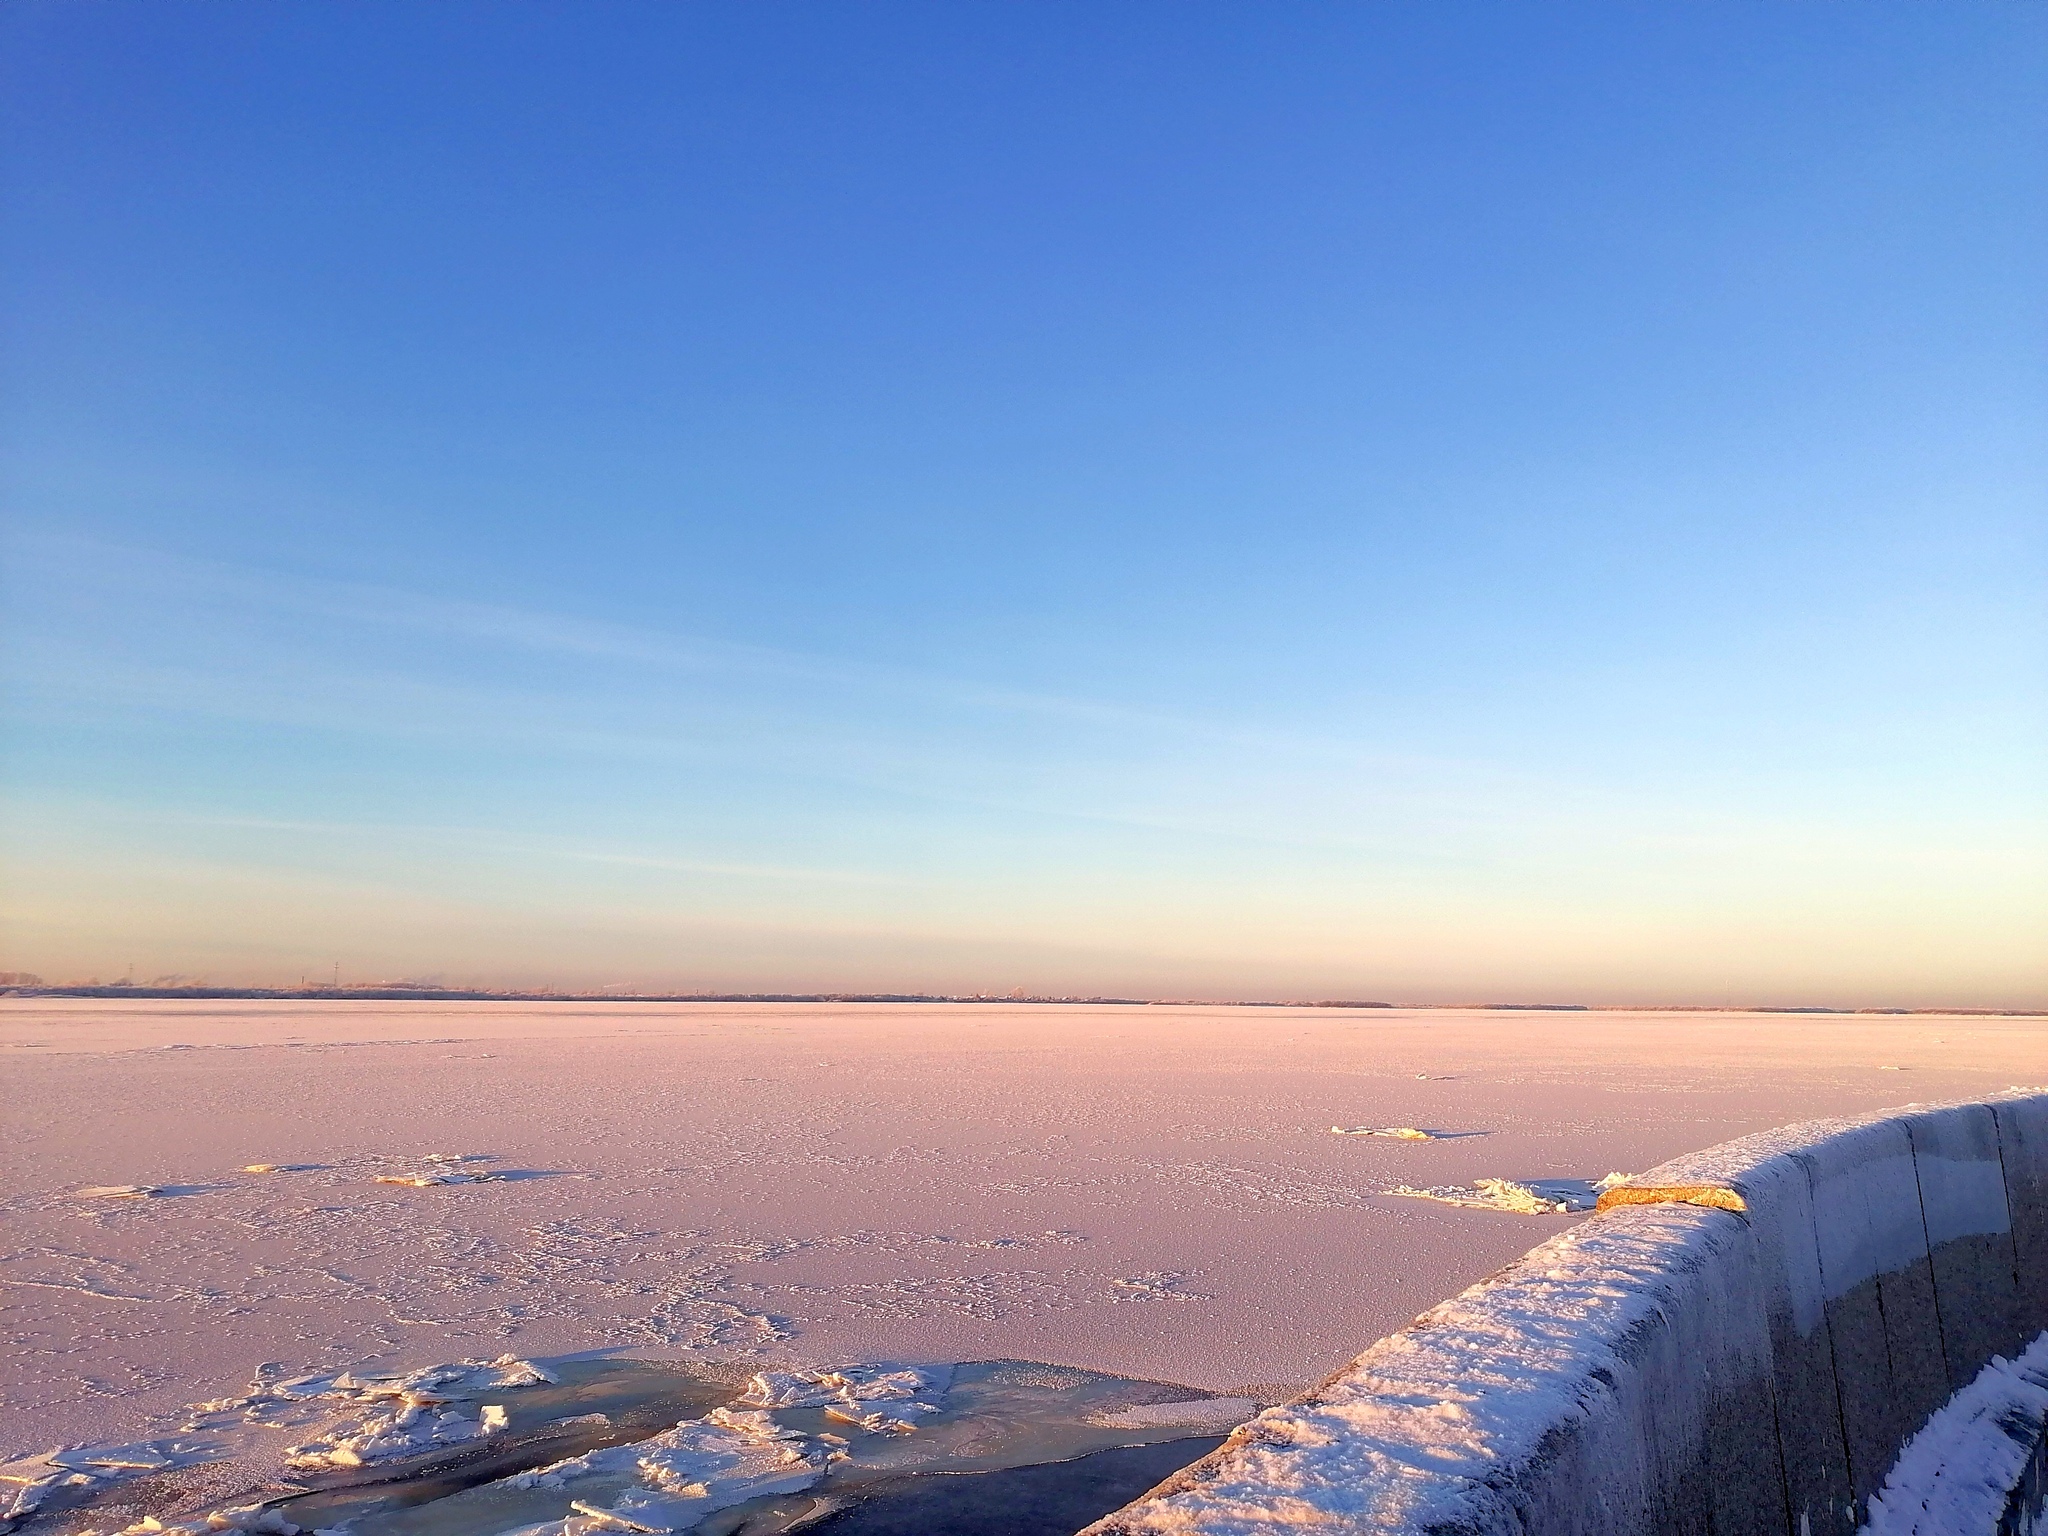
x: 130, y: 630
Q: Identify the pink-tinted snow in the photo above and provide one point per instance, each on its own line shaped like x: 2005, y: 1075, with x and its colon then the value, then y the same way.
x: 1149, y: 1190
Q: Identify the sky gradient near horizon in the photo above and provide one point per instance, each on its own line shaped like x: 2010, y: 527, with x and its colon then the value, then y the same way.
x: 1456, y: 502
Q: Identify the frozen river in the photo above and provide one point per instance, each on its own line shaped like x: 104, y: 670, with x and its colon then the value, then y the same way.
x: 1152, y: 1191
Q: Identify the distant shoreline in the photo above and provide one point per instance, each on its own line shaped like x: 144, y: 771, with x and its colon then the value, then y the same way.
x: 377, y: 993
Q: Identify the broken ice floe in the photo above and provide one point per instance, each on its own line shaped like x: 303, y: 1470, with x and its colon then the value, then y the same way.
x: 1537, y: 1197
x: 405, y: 1415
x: 683, y: 1474
x: 851, y: 1395
x: 359, y: 1418
x: 439, y: 1168
x: 253, y: 1519
x: 28, y: 1484
x: 784, y: 1448
x: 1196, y: 1415
x: 1398, y: 1132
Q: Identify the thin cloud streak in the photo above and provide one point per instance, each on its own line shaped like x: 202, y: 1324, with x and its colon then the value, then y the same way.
x: 174, y: 577
x: 1448, y: 815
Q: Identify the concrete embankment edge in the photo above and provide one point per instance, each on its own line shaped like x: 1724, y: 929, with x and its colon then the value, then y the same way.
x: 1740, y: 1341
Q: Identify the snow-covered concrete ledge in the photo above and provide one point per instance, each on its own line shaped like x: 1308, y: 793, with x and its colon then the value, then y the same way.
x: 1745, y: 1340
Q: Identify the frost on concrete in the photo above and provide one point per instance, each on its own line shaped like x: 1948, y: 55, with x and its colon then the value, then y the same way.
x: 1956, y: 1474
x: 1429, y: 1427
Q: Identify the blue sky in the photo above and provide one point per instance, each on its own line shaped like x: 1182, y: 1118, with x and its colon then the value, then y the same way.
x: 1453, y: 501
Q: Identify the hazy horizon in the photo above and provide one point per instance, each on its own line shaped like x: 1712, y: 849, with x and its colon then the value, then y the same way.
x: 1421, y: 503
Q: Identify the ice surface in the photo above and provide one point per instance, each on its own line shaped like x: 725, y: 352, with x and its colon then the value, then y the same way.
x: 1153, y: 1191
x: 1955, y: 1475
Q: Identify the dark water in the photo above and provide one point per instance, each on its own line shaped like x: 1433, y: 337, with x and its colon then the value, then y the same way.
x: 1051, y: 1499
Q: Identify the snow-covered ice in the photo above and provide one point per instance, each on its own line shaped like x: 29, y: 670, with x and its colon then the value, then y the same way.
x: 786, y: 1188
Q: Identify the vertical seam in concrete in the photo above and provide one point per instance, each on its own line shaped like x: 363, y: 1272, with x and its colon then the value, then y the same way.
x: 2012, y: 1225
x: 1827, y: 1328
x: 1771, y: 1388
x: 1927, y: 1242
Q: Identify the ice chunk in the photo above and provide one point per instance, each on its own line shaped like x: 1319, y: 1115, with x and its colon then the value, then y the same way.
x: 1398, y: 1132
x: 397, y: 1415
x: 254, y: 1519
x: 684, y: 1474
x: 842, y: 1389
x: 26, y: 1484
x: 897, y: 1421
x: 1538, y: 1197
x: 1202, y: 1413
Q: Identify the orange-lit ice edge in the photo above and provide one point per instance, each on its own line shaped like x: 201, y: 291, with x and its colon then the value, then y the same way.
x: 1149, y: 1192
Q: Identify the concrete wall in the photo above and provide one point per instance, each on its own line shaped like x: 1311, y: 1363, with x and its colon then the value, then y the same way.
x: 1740, y: 1341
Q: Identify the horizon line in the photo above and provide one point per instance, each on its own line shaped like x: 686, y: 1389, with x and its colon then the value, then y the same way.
x: 429, y: 992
